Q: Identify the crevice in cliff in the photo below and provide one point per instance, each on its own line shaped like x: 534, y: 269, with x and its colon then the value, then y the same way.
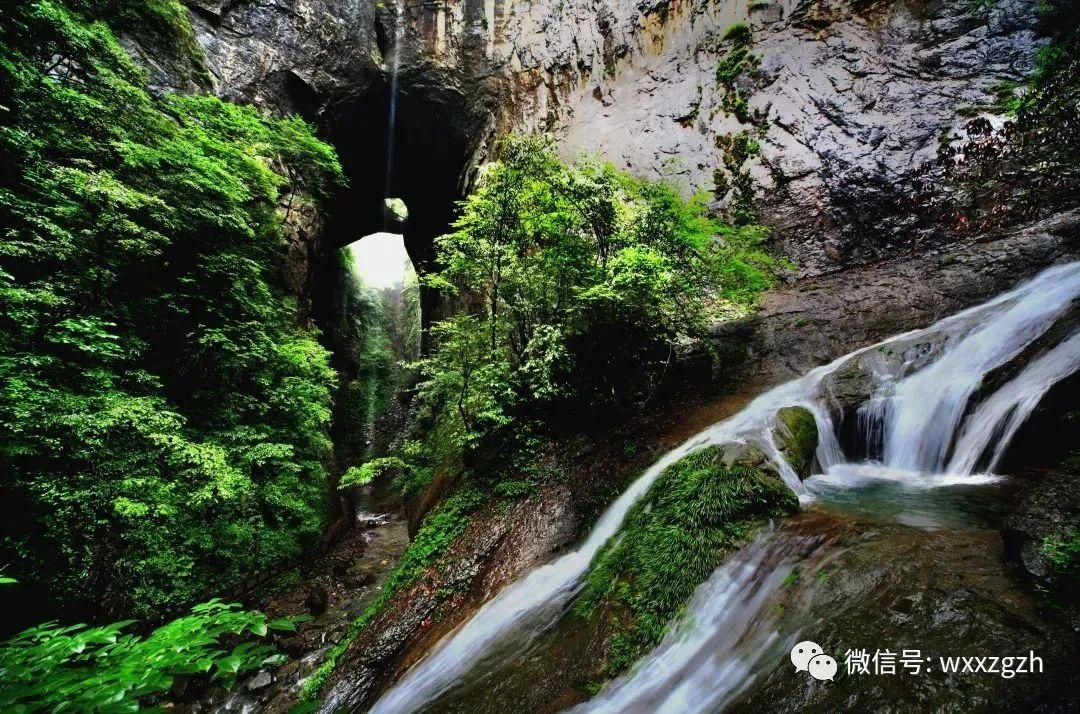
x: 436, y: 131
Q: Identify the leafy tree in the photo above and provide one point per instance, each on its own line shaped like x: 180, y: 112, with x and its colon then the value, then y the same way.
x: 579, y: 284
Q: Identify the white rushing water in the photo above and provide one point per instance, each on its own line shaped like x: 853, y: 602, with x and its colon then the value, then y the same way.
x: 919, y: 415
x: 395, y: 66
x: 998, y: 418
x: 925, y: 410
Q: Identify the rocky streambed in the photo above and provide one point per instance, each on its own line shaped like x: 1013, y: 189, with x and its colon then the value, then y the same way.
x: 333, y: 591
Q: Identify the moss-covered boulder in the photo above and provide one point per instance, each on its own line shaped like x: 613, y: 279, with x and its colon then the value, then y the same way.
x: 1042, y: 539
x: 698, y: 511
x: 797, y: 438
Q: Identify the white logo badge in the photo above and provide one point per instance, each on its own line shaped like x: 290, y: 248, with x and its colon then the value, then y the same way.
x: 809, y: 657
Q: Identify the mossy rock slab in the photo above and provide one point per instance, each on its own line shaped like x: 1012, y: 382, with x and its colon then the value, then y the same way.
x: 798, y: 438
x: 699, y: 511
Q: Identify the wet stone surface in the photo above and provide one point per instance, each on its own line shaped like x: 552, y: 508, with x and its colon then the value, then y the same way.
x: 338, y: 588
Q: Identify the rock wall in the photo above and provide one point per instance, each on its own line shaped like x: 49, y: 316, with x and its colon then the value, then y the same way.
x: 847, y: 105
x: 848, y: 102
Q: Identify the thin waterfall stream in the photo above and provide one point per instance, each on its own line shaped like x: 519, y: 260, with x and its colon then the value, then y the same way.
x: 391, y: 119
x: 926, y: 429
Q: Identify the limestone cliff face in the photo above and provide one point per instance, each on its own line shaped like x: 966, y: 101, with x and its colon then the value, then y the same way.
x: 847, y: 104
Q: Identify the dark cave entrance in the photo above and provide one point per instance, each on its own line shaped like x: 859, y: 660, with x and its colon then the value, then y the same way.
x: 434, y: 136
x: 436, y: 132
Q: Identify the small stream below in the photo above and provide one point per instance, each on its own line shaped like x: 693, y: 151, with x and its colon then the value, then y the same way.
x: 347, y: 578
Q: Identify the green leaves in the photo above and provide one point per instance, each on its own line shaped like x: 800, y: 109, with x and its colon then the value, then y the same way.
x: 165, y: 418
x: 369, y: 471
x: 80, y: 668
x: 580, y: 282
x: 1062, y: 549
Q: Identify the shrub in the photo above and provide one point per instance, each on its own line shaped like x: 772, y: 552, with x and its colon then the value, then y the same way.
x: 164, y: 414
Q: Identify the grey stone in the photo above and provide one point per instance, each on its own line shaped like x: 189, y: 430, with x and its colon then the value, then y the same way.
x: 260, y: 681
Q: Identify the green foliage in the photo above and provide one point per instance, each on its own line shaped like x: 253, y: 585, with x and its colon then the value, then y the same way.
x: 731, y: 65
x: 369, y: 393
x: 369, y: 471
x: 1031, y: 169
x: 437, y: 532
x: 739, y: 34
x: 1063, y: 551
x: 80, y: 668
x: 514, y: 489
x: 582, y: 281
x: 164, y: 416
x: 384, y: 340
x: 697, y: 511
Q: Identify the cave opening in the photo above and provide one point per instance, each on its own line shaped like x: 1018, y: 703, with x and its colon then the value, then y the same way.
x: 437, y: 129
x: 436, y: 132
x: 433, y: 138
x: 380, y: 260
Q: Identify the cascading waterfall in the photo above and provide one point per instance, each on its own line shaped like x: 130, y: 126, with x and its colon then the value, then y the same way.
x: 699, y: 668
x: 1009, y: 407
x: 926, y: 408
x: 689, y: 671
x: 391, y: 121
x: 524, y: 609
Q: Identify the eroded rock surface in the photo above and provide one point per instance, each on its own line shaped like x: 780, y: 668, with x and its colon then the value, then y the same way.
x: 849, y: 102
x: 849, y: 105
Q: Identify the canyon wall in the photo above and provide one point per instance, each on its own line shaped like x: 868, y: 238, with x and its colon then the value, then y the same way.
x: 830, y: 120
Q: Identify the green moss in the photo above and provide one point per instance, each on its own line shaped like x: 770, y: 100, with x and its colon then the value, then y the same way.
x: 514, y: 489
x: 737, y: 148
x: 697, y: 512
x: 168, y: 23
x: 799, y: 438
x: 739, y: 33
x: 438, y: 531
x: 721, y: 183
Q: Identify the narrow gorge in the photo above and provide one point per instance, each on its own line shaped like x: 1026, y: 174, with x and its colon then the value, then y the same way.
x: 558, y: 356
